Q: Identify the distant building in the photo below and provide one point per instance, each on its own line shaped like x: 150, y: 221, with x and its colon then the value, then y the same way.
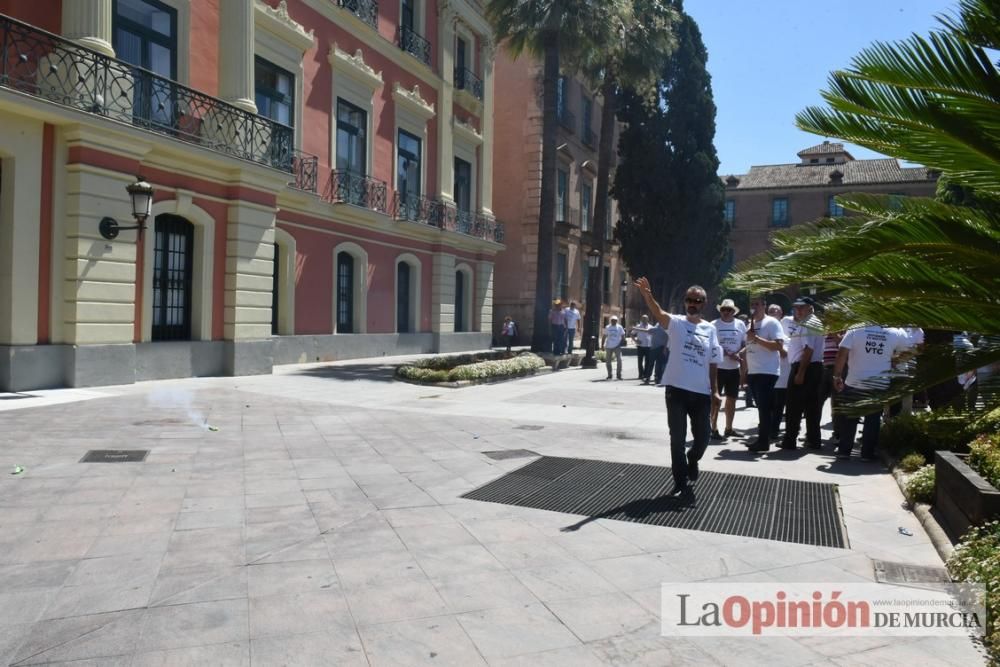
x: 774, y: 196
x: 517, y: 187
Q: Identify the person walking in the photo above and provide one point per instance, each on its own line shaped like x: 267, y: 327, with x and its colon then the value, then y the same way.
x: 805, y: 353
x: 570, y: 318
x: 781, y: 385
x: 557, y: 327
x: 643, y: 348
x: 765, y: 340
x: 689, y: 379
x: 612, y: 342
x: 732, y: 335
x: 508, y: 332
x: 868, y: 353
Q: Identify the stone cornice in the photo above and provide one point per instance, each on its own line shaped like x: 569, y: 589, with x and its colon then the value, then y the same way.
x: 412, y: 101
x: 355, y: 66
x: 466, y: 132
x: 277, y: 20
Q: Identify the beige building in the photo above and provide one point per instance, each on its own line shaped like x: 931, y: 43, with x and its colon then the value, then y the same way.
x: 517, y: 189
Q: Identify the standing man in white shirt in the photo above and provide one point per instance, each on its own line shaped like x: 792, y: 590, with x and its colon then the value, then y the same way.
x: 805, y: 353
x: 732, y: 335
x: 614, y: 336
x: 690, y: 380
x: 781, y: 386
x: 868, y: 353
x: 765, y: 340
x: 572, y: 316
x: 643, y: 348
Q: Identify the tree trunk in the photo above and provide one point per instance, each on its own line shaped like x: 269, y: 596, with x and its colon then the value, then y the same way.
x: 595, y: 287
x: 541, y: 340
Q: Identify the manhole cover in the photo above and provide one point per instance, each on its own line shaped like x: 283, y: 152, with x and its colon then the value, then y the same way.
x: 529, y: 427
x: 510, y: 454
x: 887, y: 572
x: 115, y: 456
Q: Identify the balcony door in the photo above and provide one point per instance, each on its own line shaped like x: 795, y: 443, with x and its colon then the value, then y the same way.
x: 352, y: 153
x: 145, y: 35
x: 408, y: 154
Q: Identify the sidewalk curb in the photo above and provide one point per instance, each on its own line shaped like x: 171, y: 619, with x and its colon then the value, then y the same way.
x: 939, y: 538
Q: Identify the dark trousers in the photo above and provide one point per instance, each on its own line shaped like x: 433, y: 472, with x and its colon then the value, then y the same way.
x: 570, y: 339
x: 645, y: 357
x: 848, y: 426
x: 558, y: 338
x: 682, y: 405
x: 761, y: 387
x: 778, y: 409
x: 659, y: 355
x: 803, y: 398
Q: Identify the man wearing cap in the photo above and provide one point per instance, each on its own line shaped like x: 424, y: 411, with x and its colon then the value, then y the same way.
x: 643, y: 348
x: 732, y: 335
x: 805, y: 353
x: 570, y: 317
x: 614, y: 336
x: 690, y: 380
x: 557, y: 326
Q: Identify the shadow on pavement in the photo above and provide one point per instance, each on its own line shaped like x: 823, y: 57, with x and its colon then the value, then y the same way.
x: 373, y: 372
x: 639, y: 509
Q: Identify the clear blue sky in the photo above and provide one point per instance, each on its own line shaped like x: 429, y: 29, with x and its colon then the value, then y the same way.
x: 770, y: 59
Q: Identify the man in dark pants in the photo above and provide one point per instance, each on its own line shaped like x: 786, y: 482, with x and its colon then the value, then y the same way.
x: 765, y: 340
x: 690, y: 379
x: 805, y: 352
x: 658, y: 348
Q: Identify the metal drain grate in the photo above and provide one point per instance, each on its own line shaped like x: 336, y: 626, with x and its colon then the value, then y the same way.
x: 115, y: 456
x: 887, y: 572
x: 763, y: 507
x: 503, y: 454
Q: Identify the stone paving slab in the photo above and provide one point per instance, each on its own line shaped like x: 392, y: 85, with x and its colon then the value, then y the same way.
x: 322, y: 523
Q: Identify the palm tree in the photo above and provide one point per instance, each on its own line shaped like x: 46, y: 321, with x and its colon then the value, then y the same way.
x: 923, y: 262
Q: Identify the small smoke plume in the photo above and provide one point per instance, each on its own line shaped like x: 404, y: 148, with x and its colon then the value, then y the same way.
x: 180, y: 400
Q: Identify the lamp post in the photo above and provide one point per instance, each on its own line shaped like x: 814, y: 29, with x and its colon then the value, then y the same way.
x: 141, y: 194
x: 624, y: 295
x: 593, y: 311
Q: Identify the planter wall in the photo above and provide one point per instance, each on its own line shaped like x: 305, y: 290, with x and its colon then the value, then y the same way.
x: 962, y: 496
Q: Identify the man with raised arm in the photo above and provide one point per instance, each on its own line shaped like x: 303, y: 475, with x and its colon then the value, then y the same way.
x: 690, y: 379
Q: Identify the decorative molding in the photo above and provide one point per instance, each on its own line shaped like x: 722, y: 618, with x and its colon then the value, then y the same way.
x: 466, y: 131
x: 278, y: 21
x: 413, y: 101
x: 355, y: 66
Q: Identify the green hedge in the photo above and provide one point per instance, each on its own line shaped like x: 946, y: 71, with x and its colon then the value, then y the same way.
x: 984, y: 457
x: 977, y: 559
x: 927, y: 432
x: 474, y: 368
x: 920, y: 487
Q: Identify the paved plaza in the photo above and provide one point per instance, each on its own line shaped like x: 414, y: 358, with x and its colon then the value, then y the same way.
x: 314, y: 517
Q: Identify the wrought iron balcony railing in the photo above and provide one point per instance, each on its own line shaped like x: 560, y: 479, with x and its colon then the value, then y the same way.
x: 447, y: 216
x: 567, y: 120
x: 587, y: 137
x: 467, y: 81
x: 415, y: 44
x: 416, y: 208
x: 366, y: 10
x: 40, y: 64
x: 305, y: 169
x: 348, y: 187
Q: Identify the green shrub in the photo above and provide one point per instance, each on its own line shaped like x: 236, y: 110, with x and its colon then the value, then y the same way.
x: 920, y: 487
x: 521, y: 365
x: 976, y: 559
x: 926, y: 432
x: 912, y: 462
x: 988, y: 423
x: 984, y: 457
x: 476, y: 367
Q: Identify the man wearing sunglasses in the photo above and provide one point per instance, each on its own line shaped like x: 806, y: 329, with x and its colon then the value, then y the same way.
x: 690, y: 379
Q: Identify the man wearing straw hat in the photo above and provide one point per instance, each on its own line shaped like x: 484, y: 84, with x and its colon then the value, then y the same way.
x: 732, y: 337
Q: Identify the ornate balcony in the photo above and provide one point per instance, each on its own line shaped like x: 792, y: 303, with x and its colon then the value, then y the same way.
x: 305, y: 168
x: 446, y: 216
x: 415, y: 45
x: 37, y: 63
x: 469, y: 82
x: 366, y: 10
x: 347, y: 187
x: 415, y: 208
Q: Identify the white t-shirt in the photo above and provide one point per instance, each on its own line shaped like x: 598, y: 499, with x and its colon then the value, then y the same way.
x: 786, y: 366
x: 572, y: 316
x: 760, y: 360
x: 802, y: 335
x: 692, y: 348
x: 614, y: 334
x: 642, y: 336
x: 732, y: 338
x: 869, y: 353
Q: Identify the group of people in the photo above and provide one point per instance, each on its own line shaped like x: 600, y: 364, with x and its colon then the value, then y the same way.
x: 651, y: 351
x: 788, y: 365
x: 563, y: 321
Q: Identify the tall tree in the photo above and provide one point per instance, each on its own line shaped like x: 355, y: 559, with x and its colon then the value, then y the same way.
x: 670, y: 198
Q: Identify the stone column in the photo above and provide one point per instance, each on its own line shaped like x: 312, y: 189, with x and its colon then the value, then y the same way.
x: 482, y: 305
x: 446, y: 63
x: 89, y: 23
x: 249, y: 272
x: 443, y: 294
x: 236, y: 49
x: 486, y: 124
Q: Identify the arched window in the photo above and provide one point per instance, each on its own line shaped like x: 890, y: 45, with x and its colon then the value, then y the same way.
x: 345, y: 293
x: 173, y: 257
x: 461, y: 324
x: 403, y: 298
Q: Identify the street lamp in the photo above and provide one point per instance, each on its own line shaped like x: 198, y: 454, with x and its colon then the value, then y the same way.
x: 624, y: 294
x: 141, y: 194
x: 593, y: 310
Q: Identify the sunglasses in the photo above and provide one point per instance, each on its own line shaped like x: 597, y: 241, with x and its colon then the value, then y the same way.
x: 726, y: 310
x: 690, y: 300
